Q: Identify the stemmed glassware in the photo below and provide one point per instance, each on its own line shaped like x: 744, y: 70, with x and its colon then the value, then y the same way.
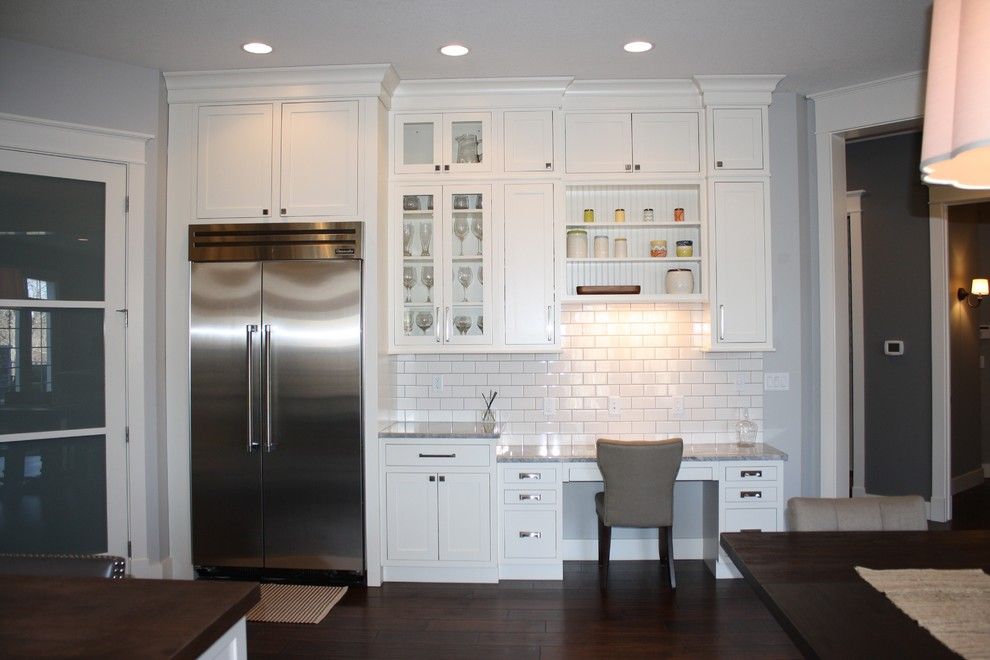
x: 477, y: 229
x: 481, y: 324
x: 463, y: 324
x: 461, y: 230
x: 424, y: 320
x: 481, y: 278
x: 465, y: 277
x: 427, y: 276
x: 408, y: 280
x: 425, y: 237
x: 407, y: 321
x: 407, y: 235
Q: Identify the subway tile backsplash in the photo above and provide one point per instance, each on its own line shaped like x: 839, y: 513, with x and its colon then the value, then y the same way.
x: 644, y: 354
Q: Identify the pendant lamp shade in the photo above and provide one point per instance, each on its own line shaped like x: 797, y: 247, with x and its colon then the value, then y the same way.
x: 955, y: 147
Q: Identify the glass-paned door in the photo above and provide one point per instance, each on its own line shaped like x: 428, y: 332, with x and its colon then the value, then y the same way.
x: 466, y: 240
x: 417, y: 144
x: 419, y: 280
x: 467, y: 137
x: 63, y: 476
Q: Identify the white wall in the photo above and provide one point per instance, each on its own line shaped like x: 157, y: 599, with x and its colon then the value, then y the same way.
x: 46, y: 83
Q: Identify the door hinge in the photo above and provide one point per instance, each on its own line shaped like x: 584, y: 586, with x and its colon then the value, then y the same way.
x: 128, y: 549
x: 127, y: 319
x: 127, y: 434
x: 127, y: 203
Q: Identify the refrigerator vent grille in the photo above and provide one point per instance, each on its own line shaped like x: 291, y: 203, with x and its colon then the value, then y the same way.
x: 270, y: 242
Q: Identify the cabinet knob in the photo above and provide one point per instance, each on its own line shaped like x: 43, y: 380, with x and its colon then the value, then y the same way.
x: 446, y: 168
x: 432, y: 478
x: 283, y: 211
x: 718, y: 163
x: 264, y: 211
x: 628, y: 167
x: 443, y: 478
x: 436, y: 168
x: 549, y: 166
x: 636, y: 167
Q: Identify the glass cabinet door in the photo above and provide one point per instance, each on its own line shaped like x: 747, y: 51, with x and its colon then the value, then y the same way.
x: 467, y: 137
x: 417, y: 144
x: 419, y: 282
x: 466, y: 240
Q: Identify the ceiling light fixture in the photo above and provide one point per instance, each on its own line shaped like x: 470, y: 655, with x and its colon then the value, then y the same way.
x: 257, y: 48
x: 455, y: 50
x: 637, y: 47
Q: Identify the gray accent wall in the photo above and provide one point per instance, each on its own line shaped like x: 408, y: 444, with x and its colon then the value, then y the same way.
x: 897, y: 305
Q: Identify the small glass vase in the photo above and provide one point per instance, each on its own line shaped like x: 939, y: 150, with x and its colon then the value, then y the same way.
x: 746, y: 431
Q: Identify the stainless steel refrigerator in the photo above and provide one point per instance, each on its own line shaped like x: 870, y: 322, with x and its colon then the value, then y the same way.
x: 275, y: 340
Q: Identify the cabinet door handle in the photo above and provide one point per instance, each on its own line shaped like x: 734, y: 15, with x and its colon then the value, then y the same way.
x: 721, y: 322
x: 447, y: 327
x: 751, y: 473
x: 283, y: 211
x: 446, y: 168
x: 530, y: 535
x: 549, y: 166
x: 436, y: 168
x: 628, y: 167
x: 751, y: 529
x: 530, y: 497
x: 636, y: 167
x: 718, y: 163
x: 755, y: 494
x: 438, y: 455
x: 436, y: 325
x: 264, y: 211
x: 433, y: 478
x: 550, y: 323
x: 530, y: 475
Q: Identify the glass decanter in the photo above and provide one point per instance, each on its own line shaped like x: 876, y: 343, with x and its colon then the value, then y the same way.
x: 746, y: 431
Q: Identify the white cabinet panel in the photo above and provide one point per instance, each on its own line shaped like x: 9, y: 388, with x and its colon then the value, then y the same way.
x: 530, y: 534
x: 741, y: 267
x: 529, y: 264
x: 665, y: 142
x: 465, y: 517
x: 411, y: 516
x: 319, y: 159
x: 737, y: 138
x: 437, y: 456
x: 234, y: 175
x: 749, y: 520
x: 598, y: 142
x: 528, y: 141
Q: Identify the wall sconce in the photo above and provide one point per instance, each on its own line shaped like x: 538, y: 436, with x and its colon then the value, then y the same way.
x: 956, y: 141
x: 979, y: 289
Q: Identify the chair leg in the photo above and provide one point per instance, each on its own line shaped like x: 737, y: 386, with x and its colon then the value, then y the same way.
x: 604, y: 551
x: 669, y: 533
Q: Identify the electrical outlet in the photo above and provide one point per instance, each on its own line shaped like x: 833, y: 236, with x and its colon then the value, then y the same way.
x: 437, y: 385
x: 777, y: 382
x: 614, y: 406
x: 740, y: 380
x: 678, y: 411
x: 549, y: 406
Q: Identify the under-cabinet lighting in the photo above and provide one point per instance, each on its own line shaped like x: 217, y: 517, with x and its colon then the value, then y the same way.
x: 455, y: 50
x: 637, y: 47
x: 257, y: 48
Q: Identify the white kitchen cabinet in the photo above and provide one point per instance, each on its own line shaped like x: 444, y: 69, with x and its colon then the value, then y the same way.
x: 450, y: 142
x: 465, y: 517
x: 529, y: 307
x: 527, y: 141
x: 240, y: 174
x: 411, y: 504
x: 741, y: 271
x: 640, y: 142
x: 738, y: 139
x: 234, y: 161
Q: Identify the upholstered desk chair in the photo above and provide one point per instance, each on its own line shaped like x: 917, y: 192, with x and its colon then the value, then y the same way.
x: 639, y: 492
x: 857, y: 514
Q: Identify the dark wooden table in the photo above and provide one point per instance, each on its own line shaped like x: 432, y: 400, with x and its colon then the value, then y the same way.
x: 94, y: 617
x: 807, y: 580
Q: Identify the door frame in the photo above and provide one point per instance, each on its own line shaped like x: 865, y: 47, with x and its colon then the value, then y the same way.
x: 127, y: 148
x: 854, y: 211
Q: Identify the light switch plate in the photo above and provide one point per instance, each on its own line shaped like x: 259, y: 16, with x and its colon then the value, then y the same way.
x: 614, y: 407
x: 678, y: 411
x: 437, y: 384
x: 778, y: 381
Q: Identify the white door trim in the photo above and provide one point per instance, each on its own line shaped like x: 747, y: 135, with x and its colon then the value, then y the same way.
x: 840, y: 114
x: 854, y: 210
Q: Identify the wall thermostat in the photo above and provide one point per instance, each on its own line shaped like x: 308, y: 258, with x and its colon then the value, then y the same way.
x: 893, y: 347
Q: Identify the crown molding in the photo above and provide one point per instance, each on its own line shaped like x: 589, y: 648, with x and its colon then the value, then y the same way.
x: 874, y: 103
x: 737, y: 89
x: 463, y: 93
x: 66, y: 139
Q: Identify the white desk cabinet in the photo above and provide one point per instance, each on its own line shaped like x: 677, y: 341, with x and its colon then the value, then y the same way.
x: 277, y: 160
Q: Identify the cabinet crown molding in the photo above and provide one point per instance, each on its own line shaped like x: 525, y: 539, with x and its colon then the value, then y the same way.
x: 460, y: 93
x: 741, y: 89
x: 287, y: 83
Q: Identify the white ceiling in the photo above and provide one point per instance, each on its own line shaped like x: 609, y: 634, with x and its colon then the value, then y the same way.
x: 818, y: 44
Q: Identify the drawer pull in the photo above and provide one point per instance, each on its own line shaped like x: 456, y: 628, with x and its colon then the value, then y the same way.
x: 530, y: 475
x: 751, y: 473
x: 758, y: 494
x: 530, y: 535
x: 751, y: 529
x: 527, y: 497
x: 438, y: 455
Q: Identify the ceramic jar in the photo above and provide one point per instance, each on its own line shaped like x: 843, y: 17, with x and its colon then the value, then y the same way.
x: 589, y: 215
x: 679, y: 281
x: 678, y: 215
x: 620, y: 215
x: 577, y: 244
x: 684, y: 249
x: 648, y: 215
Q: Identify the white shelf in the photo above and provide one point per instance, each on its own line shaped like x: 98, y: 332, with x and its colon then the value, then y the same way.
x: 415, y: 258
x: 634, y: 298
x: 468, y: 257
x: 631, y: 225
x: 630, y: 260
x: 465, y: 211
x: 419, y: 214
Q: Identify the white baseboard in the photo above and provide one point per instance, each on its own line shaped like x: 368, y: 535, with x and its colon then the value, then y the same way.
x: 488, y: 575
x: 968, y: 480
x: 554, y: 571
x: 631, y: 549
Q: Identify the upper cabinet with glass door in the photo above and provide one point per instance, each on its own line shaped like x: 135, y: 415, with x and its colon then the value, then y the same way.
x: 442, y: 143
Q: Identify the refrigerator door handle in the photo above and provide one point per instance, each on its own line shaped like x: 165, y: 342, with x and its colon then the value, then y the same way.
x: 270, y: 443
x: 251, y: 443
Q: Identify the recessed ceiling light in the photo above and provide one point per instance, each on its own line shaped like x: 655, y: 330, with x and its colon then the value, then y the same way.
x: 638, y: 46
x: 454, y: 50
x: 257, y: 48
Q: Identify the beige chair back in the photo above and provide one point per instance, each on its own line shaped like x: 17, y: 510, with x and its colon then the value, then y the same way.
x: 858, y: 514
x: 639, y: 481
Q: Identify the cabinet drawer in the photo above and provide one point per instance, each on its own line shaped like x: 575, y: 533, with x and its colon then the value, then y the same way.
x: 740, y: 520
x: 694, y: 473
x: 530, y: 534
x: 751, y: 473
x: 754, y: 493
x: 438, y: 455
x: 529, y: 497
x: 529, y: 476
x: 586, y: 472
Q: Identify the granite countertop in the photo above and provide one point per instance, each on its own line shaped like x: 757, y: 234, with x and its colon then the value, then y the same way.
x: 508, y: 453
x: 443, y: 430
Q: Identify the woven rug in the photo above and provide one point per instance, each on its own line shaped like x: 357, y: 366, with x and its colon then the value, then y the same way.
x: 953, y: 605
x: 295, y: 603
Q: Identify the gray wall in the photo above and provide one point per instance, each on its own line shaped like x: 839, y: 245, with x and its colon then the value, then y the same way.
x: 46, y: 83
x: 897, y: 305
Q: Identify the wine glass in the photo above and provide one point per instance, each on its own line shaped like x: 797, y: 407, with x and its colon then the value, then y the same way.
x: 481, y: 324
x: 408, y: 279
x: 477, y: 230
x: 427, y: 276
x: 463, y: 324
x: 465, y: 276
x: 461, y: 230
x: 407, y: 322
x: 481, y: 278
x: 407, y: 234
x: 425, y: 237
x: 424, y: 320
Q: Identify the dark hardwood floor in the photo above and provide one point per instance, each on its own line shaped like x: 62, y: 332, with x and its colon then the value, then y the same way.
x: 640, y: 618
